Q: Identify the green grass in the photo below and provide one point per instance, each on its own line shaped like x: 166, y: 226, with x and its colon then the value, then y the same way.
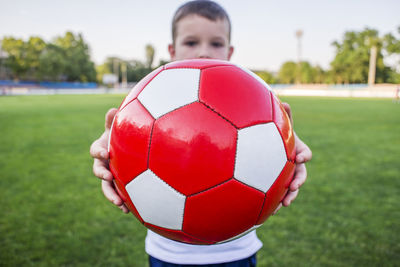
x: 53, y: 212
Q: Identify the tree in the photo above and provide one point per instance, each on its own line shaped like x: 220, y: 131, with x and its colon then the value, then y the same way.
x: 66, y: 58
x: 392, y: 47
x: 34, y: 48
x: 352, y: 60
x: 23, y: 57
x: 306, y: 72
x: 268, y: 77
x: 391, y: 44
x: 320, y: 75
x: 15, y: 60
x: 78, y: 66
x: 52, y: 64
x: 288, y: 72
x: 303, y: 72
x: 137, y: 70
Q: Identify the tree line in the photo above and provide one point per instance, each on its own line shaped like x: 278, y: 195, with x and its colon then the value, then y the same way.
x: 351, y: 64
x: 67, y: 58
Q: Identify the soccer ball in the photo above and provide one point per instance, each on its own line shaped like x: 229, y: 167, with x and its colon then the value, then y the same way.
x: 202, y: 151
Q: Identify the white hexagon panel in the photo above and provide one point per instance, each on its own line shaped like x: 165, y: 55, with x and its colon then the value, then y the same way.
x: 260, y: 156
x: 157, y: 202
x: 169, y: 90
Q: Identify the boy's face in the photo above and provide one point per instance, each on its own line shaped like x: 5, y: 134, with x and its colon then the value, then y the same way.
x: 199, y: 37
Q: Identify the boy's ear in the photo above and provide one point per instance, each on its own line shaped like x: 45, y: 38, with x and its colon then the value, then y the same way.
x: 171, y: 50
x: 230, y: 52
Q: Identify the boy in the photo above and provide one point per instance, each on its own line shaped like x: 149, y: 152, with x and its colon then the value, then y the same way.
x: 200, y: 29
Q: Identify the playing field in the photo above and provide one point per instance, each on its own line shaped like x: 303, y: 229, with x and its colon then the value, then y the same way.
x: 52, y: 211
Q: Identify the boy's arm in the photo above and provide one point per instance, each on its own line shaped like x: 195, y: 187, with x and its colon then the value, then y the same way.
x: 99, y: 151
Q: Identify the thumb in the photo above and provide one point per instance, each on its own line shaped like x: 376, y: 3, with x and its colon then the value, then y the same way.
x: 110, y: 117
x: 303, y: 152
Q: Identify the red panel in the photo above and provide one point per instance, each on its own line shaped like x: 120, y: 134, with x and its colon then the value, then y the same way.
x: 222, y: 212
x: 127, y: 201
x: 197, y: 63
x: 277, y: 192
x: 140, y: 86
x: 176, y: 235
x: 192, y: 149
x: 129, y: 143
x: 236, y: 95
x: 282, y: 121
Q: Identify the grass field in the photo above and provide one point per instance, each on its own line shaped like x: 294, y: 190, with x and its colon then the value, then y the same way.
x: 53, y: 212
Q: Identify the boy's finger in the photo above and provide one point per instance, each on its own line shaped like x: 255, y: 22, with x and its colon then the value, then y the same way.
x: 98, y: 151
x: 101, y: 171
x: 290, y: 196
x: 303, y: 152
x: 124, y: 208
x: 299, y: 178
x: 109, y: 117
x: 304, y: 155
x: 110, y: 193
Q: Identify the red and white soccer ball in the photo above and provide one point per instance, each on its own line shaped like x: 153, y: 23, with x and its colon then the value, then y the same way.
x: 201, y: 151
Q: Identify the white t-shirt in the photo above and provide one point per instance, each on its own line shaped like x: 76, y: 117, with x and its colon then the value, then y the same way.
x: 180, y: 253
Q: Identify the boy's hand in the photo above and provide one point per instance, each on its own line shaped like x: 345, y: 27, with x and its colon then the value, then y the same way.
x: 303, y: 154
x: 98, y: 150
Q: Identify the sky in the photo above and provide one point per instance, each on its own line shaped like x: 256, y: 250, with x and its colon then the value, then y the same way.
x: 263, y: 32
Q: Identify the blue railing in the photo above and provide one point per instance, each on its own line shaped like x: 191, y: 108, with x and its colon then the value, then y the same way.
x: 48, y: 85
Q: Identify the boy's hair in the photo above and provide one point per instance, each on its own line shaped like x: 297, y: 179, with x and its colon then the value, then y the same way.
x: 204, y: 8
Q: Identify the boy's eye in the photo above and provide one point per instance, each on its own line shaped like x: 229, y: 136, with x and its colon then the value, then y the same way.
x: 190, y: 43
x: 217, y: 44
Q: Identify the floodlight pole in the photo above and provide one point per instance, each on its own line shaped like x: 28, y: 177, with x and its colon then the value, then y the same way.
x: 299, y: 34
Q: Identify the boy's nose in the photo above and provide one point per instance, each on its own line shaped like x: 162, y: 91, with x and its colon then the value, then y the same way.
x: 204, y: 52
